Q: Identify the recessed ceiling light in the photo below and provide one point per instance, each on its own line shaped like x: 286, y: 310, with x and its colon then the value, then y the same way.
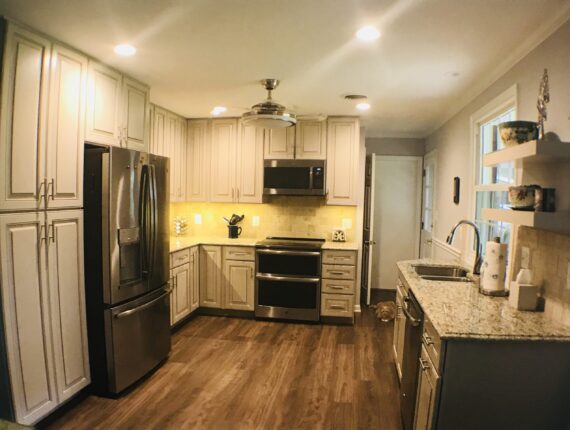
x: 218, y: 110
x: 125, y: 50
x: 363, y: 106
x: 368, y: 33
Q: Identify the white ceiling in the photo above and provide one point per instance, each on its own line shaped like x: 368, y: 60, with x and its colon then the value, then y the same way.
x: 201, y: 53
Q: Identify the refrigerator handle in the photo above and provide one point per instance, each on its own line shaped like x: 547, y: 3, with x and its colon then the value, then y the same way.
x: 145, y: 212
x: 153, y: 191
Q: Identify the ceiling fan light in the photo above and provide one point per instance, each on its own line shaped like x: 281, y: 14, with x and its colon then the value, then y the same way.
x: 268, y: 113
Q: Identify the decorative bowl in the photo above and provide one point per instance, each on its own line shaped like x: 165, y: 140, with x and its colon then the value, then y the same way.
x: 522, y: 197
x: 516, y: 132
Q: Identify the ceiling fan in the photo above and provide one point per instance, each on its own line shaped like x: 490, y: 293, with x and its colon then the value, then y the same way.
x: 268, y: 113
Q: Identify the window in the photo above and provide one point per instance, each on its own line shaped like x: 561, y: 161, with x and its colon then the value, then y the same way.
x: 492, y: 183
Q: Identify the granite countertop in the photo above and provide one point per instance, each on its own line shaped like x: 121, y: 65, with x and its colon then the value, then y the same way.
x: 178, y: 243
x: 458, y: 310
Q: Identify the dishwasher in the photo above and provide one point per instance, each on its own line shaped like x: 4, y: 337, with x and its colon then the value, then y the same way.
x: 411, y: 354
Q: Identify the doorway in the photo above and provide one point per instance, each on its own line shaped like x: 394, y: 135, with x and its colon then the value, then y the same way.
x: 395, y: 214
x: 428, y: 213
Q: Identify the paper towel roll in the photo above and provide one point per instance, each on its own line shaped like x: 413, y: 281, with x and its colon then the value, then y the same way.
x: 494, y: 267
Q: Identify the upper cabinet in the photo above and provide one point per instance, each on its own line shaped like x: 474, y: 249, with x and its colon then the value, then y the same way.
x: 223, y: 160
x: 117, y: 109
x: 343, y: 151
x: 197, y: 172
x: 41, y: 123
x: 307, y: 140
x: 311, y: 140
x: 249, y: 172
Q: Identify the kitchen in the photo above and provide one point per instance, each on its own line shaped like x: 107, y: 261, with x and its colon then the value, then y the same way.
x: 212, y: 247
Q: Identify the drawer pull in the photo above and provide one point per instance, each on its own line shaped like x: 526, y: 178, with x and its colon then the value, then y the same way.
x: 424, y: 364
x: 336, y: 272
x: 427, y: 339
x: 337, y: 307
x: 336, y: 287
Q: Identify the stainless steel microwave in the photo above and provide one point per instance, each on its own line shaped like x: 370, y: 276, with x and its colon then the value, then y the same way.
x: 294, y: 177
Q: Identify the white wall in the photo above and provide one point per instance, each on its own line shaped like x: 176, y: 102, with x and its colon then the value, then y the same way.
x: 453, y: 138
x: 395, y: 146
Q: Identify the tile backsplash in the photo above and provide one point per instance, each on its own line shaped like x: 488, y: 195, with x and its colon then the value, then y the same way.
x: 549, y: 261
x: 280, y: 216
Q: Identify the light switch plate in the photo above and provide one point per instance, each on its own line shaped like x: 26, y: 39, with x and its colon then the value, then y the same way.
x: 197, y: 218
x: 346, y: 223
x: 525, y: 257
x: 255, y: 220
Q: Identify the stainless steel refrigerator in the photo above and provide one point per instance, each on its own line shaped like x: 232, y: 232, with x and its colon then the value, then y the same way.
x: 126, y: 265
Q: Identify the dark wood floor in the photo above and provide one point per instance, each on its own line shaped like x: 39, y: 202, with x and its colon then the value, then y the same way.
x: 243, y: 374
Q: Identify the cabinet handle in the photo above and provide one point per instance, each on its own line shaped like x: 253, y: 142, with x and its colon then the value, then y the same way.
x: 237, y: 190
x: 424, y: 364
x: 52, y: 234
x: 427, y: 339
x: 337, y: 307
x: 52, y: 184
x: 250, y: 273
x: 42, y: 236
x: 336, y: 287
x: 333, y: 272
x: 43, y: 185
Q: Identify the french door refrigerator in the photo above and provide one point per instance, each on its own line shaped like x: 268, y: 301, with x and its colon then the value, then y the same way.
x: 126, y: 265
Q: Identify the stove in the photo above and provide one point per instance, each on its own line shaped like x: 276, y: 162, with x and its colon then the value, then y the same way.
x: 288, y: 278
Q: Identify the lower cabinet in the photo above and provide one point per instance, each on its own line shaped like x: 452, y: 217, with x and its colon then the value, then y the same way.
x: 399, y: 331
x: 427, y: 386
x: 184, y: 275
x: 44, y: 309
x: 239, y: 285
x: 338, y: 284
x: 210, y: 276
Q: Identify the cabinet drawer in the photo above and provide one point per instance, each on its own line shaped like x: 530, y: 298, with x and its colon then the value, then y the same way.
x: 431, y: 341
x: 339, y: 272
x: 339, y: 257
x: 337, y: 305
x: 244, y: 253
x: 179, y: 258
x: 336, y: 286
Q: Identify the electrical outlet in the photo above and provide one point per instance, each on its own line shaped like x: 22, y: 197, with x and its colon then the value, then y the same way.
x: 568, y: 277
x: 525, y: 257
x: 346, y: 223
x: 197, y: 218
x: 255, y: 221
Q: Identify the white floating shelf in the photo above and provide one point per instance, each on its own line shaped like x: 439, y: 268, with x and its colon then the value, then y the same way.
x: 552, y: 221
x: 533, y: 151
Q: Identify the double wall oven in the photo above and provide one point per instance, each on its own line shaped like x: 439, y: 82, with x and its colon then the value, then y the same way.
x: 288, y: 278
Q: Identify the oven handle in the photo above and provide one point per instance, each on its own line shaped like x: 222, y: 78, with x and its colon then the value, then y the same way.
x: 285, y: 252
x: 269, y: 277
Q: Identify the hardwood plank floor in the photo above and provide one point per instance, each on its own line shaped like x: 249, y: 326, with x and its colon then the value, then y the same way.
x: 229, y: 373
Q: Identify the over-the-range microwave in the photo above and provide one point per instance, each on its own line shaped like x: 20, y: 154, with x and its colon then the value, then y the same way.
x: 294, y: 177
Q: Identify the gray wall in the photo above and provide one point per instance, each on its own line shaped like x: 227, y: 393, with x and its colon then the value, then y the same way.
x: 394, y: 146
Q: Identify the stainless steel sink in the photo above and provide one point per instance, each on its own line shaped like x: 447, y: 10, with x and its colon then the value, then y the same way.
x: 442, y: 273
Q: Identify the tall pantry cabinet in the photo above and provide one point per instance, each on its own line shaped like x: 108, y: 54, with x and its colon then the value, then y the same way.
x: 41, y: 223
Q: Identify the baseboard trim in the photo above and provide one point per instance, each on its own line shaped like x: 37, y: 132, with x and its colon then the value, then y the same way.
x: 357, y: 308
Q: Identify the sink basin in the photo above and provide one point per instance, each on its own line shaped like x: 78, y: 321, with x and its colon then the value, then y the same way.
x: 442, y: 273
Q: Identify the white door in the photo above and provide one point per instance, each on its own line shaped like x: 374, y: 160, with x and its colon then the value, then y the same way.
x: 342, y: 161
x: 239, y: 285
x: 249, y: 174
x: 103, y: 100
x: 66, y: 128
x: 280, y: 143
x: 135, y: 115
x: 197, y: 161
x: 428, y: 217
x: 311, y: 140
x: 158, y: 125
x: 223, y: 160
x: 27, y: 315
x: 66, y: 290
x: 194, y: 278
x: 181, y: 292
x: 397, y: 215
x: 24, y: 98
x: 211, y: 276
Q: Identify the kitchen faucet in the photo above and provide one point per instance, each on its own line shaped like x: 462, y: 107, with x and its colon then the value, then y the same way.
x: 478, y: 260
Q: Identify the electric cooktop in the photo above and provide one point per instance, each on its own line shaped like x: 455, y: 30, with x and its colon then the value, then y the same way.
x: 291, y: 243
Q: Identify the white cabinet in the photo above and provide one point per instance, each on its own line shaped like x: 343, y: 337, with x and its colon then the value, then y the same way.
x: 399, y: 331
x: 197, y: 161
x: 135, y: 114
x: 180, y: 295
x: 117, y: 109
x: 223, y: 160
x: 280, y: 144
x: 66, y: 128
x: 194, y: 278
x: 211, y: 276
x: 157, y: 127
x: 426, y: 394
x: 103, y: 121
x: 239, y: 285
x: 42, y: 120
x: 311, y: 140
x: 343, y: 151
x: 44, y: 309
x: 249, y: 172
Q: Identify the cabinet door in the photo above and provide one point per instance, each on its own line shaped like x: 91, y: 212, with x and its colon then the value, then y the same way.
x: 170, y: 152
x: 23, y: 115
x: 103, y: 99
x: 239, y: 285
x: 25, y: 304
x: 311, y: 140
x: 249, y: 179
x: 194, y: 278
x: 223, y: 160
x: 181, y: 292
x: 158, y: 124
x: 425, y: 400
x: 280, y: 144
x: 181, y: 159
x: 343, y: 148
x: 211, y: 276
x: 135, y: 115
x: 397, y: 340
x: 66, y: 128
x: 197, y: 161
x: 67, y: 298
